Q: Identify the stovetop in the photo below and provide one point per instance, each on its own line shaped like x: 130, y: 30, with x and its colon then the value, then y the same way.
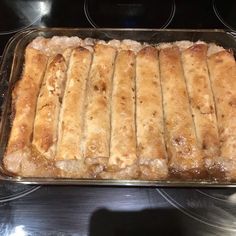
x: 73, y: 210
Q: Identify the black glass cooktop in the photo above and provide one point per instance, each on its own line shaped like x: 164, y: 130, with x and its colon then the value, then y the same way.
x: 73, y: 210
x: 130, y: 14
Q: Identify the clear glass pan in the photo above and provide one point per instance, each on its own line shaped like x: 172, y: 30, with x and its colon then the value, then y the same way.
x: 11, y: 69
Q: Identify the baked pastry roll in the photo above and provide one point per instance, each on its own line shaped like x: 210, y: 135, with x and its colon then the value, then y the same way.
x: 185, y: 157
x: 70, y: 130
x: 149, y: 116
x: 222, y: 69
x: 24, y: 105
x: 194, y: 61
x: 48, y: 107
x: 123, y: 159
x: 97, y: 115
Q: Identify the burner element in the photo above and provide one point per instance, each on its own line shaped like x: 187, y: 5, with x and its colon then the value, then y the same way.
x: 129, y: 13
x: 225, y: 11
x: 12, y: 191
x: 214, y: 207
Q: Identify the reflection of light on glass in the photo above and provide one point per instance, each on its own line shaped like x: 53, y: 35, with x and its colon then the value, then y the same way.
x: 33, y: 11
x: 44, y: 7
x: 18, y: 231
x: 232, y: 198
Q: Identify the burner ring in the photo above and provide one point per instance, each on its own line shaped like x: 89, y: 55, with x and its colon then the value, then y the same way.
x: 86, y: 12
x: 21, y: 14
x: 95, y: 25
x: 194, y: 202
x: 212, y: 196
x: 217, y: 13
x: 21, y: 28
x: 18, y: 194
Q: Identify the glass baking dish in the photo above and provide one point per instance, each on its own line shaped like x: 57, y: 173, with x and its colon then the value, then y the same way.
x: 11, y: 69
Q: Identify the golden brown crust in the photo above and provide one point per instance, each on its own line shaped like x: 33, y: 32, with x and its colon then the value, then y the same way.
x: 201, y: 98
x: 183, y: 151
x: 97, y: 116
x: 223, y: 78
x: 48, y: 107
x: 123, y: 140
x: 25, y: 99
x: 149, y: 116
x: 70, y: 130
x: 72, y: 110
